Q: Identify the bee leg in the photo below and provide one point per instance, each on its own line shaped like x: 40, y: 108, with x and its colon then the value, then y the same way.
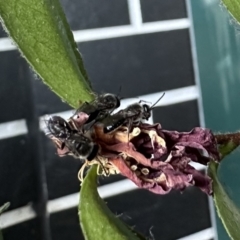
x: 130, y: 122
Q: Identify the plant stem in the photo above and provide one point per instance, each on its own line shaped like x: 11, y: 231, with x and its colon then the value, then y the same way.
x: 227, y: 143
x: 225, y: 138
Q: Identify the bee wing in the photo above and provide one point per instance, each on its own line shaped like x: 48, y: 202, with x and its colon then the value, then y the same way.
x: 112, y: 122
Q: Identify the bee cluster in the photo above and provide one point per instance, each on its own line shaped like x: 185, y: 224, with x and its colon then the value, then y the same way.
x: 76, y: 135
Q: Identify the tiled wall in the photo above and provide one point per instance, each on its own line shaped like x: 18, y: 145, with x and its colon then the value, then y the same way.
x: 142, y: 47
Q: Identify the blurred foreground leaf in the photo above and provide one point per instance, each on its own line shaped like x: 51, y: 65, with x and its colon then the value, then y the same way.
x: 40, y: 30
x: 2, y: 209
x: 227, y: 210
x: 97, y: 221
x: 1, y: 236
x: 233, y: 6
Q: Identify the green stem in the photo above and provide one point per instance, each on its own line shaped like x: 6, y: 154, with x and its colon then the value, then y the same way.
x: 227, y: 143
x: 224, y: 138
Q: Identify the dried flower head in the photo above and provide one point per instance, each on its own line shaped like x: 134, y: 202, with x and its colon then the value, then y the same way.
x: 153, y: 158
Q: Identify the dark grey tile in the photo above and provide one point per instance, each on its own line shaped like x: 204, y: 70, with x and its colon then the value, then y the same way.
x: 169, y: 217
x: 61, y: 172
x: 47, y: 101
x: 2, y: 32
x: 180, y: 117
x: 65, y: 225
x: 140, y: 64
x: 157, y: 10
x: 17, y: 178
x: 13, y: 99
x: 23, y: 231
x: 86, y: 14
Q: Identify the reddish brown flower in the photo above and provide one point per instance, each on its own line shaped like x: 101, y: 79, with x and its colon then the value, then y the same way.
x: 153, y: 158
x: 158, y: 160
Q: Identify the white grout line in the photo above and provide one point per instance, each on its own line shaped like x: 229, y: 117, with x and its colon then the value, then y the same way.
x: 13, y: 128
x: 108, y: 190
x: 16, y: 216
x: 63, y: 203
x: 200, y: 102
x: 174, y: 96
x: 166, y: 25
x: 6, y: 44
x: 122, y: 31
x: 26, y: 213
x: 114, y: 32
x: 205, y: 234
x: 171, y: 97
x: 135, y: 14
x: 19, y: 127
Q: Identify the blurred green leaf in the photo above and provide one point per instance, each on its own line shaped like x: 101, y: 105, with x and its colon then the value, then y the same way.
x: 40, y: 30
x: 227, y: 210
x: 95, y: 217
x: 2, y: 209
x: 233, y: 6
x: 1, y: 236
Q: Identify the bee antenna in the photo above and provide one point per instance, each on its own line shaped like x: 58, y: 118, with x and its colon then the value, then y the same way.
x: 157, y: 101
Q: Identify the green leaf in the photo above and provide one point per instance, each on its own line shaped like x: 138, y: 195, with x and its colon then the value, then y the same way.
x: 227, y: 210
x: 1, y: 236
x: 4, y: 207
x: 233, y: 6
x: 95, y: 217
x: 40, y: 30
x: 226, y: 148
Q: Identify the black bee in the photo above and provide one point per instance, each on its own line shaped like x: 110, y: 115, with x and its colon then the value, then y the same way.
x: 66, y: 137
x: 81, y: 147
x: 59, y: 128
x: 100, y: 108
x: 131, y: 116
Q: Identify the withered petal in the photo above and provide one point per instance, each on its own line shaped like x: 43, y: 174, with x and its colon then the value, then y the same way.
x: 141, y: 183
x: 200, y: 138
x: 130, y: 151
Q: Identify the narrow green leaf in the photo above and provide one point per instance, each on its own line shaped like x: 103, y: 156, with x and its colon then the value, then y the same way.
x: 233, y: 6
x: 226, y: 148
x: 40, y: 30
x: 1, y: 236
x: 4, y: 207
x: 227, y: 210
x: 96, y: 220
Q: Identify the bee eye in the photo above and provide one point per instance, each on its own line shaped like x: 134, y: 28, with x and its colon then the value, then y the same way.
x: 146, y: 108
x: 110, y: 98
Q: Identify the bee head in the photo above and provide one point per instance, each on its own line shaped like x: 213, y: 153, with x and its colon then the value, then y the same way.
x: 111, y: 100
